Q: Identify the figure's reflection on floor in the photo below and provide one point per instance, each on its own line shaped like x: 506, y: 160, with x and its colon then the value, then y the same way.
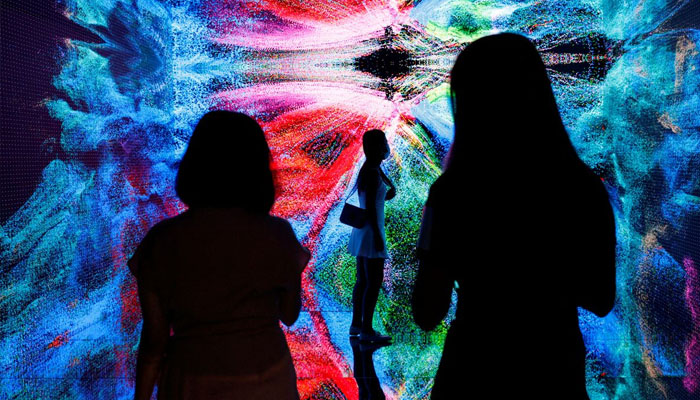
x: 365, y: 375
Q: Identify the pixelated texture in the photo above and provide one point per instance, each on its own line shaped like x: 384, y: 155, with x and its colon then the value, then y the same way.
x: 316, y: 75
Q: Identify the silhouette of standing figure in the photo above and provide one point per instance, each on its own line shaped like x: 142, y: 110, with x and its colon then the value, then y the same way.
x: 368, y: 244
x: 522, y: 226
x: 221, y: 275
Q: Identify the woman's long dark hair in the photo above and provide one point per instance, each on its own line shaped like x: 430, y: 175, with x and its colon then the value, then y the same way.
x: 504, y: 106
x: 227, y: 164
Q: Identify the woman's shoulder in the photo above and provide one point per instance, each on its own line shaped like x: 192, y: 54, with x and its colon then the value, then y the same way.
x: 588, y: 187
x: 150, y: 243
x: 441, y: 189
x: 160, y: 232
x: 162, y: 227
x: 287, y: 240
x: 193, y: 220
x: 369, y: 174
x: 184, y: 226
x: 279, y: 225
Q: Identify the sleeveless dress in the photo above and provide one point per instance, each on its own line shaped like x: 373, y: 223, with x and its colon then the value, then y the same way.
x: 362, y: 240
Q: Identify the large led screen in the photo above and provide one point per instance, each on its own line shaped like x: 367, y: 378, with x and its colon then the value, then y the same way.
x: 99, y: 99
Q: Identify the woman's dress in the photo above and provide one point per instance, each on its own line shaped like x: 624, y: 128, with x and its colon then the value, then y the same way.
x: 362, y: 239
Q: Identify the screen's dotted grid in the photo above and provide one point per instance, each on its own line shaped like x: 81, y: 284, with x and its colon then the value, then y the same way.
x: 99, y: 100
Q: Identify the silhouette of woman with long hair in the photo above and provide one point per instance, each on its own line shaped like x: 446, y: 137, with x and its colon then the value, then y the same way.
x: 221, y: 275
x: 368, y: 244
x: 520, y: 226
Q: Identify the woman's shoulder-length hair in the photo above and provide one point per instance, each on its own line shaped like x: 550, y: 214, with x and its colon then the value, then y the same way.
x: 226, y: 164
x: 503, y: 104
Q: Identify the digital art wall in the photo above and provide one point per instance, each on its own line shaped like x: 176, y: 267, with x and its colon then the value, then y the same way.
x: 99, y: 99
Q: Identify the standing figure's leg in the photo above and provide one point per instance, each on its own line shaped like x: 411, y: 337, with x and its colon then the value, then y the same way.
x: 357, y: 295
x: 375, y: 274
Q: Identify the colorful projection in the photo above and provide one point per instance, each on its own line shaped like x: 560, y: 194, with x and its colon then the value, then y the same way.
x: 317, y: 74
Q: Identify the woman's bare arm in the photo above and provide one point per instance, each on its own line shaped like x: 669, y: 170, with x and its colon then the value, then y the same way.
x: 154, y: 339
x: 370, y: 182
x: 432, y: 293
x: 290, y: 300
x: 290, y: 303
x: 596, y: 263
x: 290, y: 297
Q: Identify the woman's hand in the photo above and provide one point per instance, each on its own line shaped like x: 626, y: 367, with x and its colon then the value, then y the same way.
x: 379, y: 242
x: 390, y: 194
x: 392, y: 189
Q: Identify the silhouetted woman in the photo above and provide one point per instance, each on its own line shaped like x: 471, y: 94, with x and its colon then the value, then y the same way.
x: 521, y: 226
x: 368, y: 244
x: 221, y: 275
